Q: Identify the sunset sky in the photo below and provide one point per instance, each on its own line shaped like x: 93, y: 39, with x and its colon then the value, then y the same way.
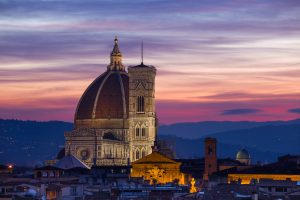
x: 216, y: 60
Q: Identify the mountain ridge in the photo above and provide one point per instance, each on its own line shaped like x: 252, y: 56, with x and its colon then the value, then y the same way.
x: 28, y: 142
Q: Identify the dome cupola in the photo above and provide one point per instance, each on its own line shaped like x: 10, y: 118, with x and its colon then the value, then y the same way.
x: 243, y: 156
x: 116, y: 58
x: 104, y: 104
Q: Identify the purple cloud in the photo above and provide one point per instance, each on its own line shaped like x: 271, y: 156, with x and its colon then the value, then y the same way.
x: 241, y: 111
x: 294, y: 110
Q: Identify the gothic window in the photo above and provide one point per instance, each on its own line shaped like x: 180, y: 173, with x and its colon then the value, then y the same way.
x: 143, y: 132
x: 137, y: 132
x: 143, y: 153
x: 140, y: 104
x: 137, y: 154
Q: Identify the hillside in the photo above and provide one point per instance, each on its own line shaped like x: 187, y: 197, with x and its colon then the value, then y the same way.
x: 27, y: 142
x: 30, y: 142
x: 194, y: 130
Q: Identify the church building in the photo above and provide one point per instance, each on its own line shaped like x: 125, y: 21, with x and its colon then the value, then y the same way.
x: 115, y: 121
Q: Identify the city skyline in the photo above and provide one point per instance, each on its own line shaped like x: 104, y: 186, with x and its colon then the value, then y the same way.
x: 216, y: 60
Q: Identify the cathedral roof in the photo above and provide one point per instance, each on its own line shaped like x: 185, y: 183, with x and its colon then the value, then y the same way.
x: 155, y: 158
x: 70, y: 162
x: 107, y: 97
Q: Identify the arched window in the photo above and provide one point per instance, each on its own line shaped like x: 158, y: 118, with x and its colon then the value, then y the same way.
x: 140, y: 104
x: 143, y: 132
x: 137, y: 132
x: 137, y: 154
x: 143, y: 153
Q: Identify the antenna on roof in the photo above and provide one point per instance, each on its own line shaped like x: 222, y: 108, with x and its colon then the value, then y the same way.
x: 142, y: 52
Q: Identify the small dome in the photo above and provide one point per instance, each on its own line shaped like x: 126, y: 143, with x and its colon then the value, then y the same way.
x: 242, y: 154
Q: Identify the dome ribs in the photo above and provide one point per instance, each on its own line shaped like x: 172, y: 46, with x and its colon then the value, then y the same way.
x: 86, y: 103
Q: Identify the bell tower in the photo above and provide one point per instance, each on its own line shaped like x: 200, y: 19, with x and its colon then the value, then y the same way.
x: 142, y: 117
x: 210, y: 157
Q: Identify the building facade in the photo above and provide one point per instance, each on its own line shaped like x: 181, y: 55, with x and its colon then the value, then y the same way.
x: 158, y: 169
x: 115, y: 120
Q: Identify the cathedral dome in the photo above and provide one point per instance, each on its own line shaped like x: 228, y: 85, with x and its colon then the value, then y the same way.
x: 242, y: 154
x: 108, y: 95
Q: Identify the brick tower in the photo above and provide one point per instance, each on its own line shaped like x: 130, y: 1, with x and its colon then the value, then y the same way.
x: 210, y: 157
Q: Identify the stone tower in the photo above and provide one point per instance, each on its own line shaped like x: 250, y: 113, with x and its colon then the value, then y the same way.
x: 210, y: 157
x: 142, y: 118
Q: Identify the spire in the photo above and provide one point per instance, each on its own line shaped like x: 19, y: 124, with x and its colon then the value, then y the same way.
x: 116, y: 49
x: 116, y: 58
x: 142, y: 52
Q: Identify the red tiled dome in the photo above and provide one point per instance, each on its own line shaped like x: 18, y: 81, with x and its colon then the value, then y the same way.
x: 106, y: 98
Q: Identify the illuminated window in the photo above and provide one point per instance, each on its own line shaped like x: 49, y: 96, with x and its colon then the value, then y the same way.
x: 140, y: 104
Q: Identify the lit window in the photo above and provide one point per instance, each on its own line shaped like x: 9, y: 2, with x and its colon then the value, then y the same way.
x: 140, y: 104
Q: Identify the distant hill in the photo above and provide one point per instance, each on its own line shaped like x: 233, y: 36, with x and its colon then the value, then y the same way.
x: 200, y: 129
x: 30, y: 142
x: 194, y: 148
x: 264, y: 143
